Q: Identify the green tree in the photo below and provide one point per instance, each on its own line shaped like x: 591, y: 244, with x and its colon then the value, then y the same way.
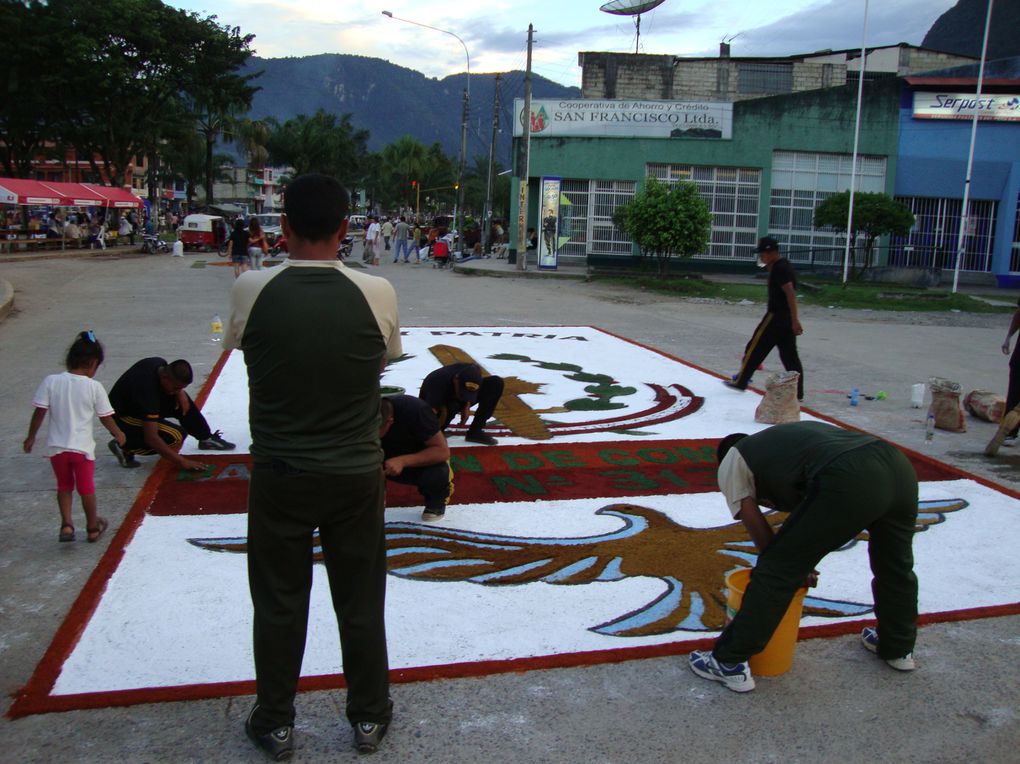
x: 320, y: 143
x: 403, y: 161
x: 122, y: 65
x: 25, y: 118
x: 665, y: 221
x: 875, y: 215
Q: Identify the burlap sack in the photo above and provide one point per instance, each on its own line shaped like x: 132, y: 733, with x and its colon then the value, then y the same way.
x: 780, y: 403
x: 945, y: 405
x: 984, y: 404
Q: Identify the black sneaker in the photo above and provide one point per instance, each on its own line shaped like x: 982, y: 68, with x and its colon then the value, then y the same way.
x: 278, y: 743
x: 477, y: 436
x: 433, y: 513
x: 125, y: 460
x: 368, y: 735
x: 215, y: 443
x: 733, y: 384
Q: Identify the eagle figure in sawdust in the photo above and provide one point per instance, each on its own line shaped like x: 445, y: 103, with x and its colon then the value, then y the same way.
x: 690, y: 562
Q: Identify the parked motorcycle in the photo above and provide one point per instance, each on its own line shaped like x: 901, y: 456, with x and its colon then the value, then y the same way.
x: 345, y: 248
x: 151, y: 244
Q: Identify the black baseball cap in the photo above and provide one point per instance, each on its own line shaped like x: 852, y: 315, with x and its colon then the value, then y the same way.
x: 469, y: 381
x: 766, y: 244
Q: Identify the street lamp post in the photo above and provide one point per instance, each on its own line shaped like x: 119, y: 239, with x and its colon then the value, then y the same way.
x: 458, y: 210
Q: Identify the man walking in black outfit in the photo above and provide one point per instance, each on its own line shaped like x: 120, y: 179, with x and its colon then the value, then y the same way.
x: 316, y: 461
x: 780, y: 327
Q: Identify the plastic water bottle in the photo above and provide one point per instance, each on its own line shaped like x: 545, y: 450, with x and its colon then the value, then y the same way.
x: 854, y: 396
x: 929, y: 429
x: 216, y: 328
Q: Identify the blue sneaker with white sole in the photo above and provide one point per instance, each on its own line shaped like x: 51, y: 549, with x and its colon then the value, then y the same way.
x: 869, y: 638
x: 736, y: 677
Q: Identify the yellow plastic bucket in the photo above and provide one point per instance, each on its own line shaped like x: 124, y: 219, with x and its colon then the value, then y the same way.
x: 777, y: 657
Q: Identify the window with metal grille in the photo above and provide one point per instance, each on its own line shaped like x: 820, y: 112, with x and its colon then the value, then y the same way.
x: 932, y: 242
x: 732, y: 194
x: 803, y: 180
x: 588, y: 219
x: 765, y: 78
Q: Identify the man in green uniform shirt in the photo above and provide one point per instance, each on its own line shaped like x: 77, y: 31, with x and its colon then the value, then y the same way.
x: 315, y: 337
x: 834, y: 483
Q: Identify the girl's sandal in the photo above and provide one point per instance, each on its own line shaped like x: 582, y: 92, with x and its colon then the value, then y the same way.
x: 97, y: 531
x: 66, y: 532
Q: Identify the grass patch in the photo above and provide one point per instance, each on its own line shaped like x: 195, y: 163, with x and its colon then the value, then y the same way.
x: 856, y: 296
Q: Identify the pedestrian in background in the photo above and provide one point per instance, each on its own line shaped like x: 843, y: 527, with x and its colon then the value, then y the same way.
x: 258, y: 246
x: 238, y: 246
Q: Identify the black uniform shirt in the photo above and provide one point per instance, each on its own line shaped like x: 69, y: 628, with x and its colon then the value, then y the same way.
x: 781, y: 273
x: 414, y: 423
x: 139, y: 394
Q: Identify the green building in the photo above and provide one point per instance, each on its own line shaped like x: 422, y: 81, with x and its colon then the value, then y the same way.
x: 762, y: 164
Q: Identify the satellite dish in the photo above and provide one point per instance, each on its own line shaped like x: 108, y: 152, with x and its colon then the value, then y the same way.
x: 631, y: 8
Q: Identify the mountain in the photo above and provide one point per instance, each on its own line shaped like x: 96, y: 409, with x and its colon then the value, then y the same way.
x: 961, y: 29
x: 391, y: 101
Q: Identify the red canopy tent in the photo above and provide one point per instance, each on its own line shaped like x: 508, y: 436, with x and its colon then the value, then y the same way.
x: 24, y: 191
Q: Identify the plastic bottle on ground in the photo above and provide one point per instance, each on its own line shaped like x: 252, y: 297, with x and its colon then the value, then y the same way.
x: 216, y: 328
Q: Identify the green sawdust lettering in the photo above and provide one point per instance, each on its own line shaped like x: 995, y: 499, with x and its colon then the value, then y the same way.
x: 465, y: 463
x: 703, y: 454
x: 506, y: 485
x: 658, y: 455
x: 673, y: 478
x: 563, y: 459
x: 522, y: 461
x: 618, y: 457
x: 630, y: 480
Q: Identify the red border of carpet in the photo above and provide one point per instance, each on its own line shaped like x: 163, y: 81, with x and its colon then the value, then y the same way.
x: 36, y: 698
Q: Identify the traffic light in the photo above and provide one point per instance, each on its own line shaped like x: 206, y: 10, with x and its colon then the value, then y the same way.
x: 456, y: 186
x: 414, y: 184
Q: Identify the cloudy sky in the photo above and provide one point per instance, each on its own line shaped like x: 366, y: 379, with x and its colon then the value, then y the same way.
x: 495, y: 31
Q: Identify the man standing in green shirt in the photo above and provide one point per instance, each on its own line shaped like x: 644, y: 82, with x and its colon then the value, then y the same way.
x: 315, y: 337
x: 834, y: 483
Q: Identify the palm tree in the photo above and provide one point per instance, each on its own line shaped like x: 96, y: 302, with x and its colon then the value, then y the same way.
x: 404, y: 161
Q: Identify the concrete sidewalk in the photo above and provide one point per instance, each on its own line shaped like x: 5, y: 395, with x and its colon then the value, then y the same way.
x: 837, y: 704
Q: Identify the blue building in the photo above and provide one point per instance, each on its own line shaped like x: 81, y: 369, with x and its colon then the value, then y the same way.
x: 935, y: 126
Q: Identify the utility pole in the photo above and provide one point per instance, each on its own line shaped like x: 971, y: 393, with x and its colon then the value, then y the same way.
x: 522, y: 191
x: 487, y: 217
x: 458, y: 211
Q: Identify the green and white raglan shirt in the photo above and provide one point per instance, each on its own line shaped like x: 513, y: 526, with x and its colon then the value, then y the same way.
x: 315, y: 337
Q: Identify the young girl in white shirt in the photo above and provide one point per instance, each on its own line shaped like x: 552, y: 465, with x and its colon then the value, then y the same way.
x: 73, y: 398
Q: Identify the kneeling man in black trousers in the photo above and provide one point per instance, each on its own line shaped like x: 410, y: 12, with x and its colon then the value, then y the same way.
x: 415, y: 451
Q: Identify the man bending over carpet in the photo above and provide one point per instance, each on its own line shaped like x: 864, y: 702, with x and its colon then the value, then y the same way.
x: 835, y: 484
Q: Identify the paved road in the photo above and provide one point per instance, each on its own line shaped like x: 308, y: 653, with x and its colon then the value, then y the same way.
x: 836, y: 704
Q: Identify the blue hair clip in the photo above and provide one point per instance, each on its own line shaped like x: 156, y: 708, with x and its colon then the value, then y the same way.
x: 90, y: 335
